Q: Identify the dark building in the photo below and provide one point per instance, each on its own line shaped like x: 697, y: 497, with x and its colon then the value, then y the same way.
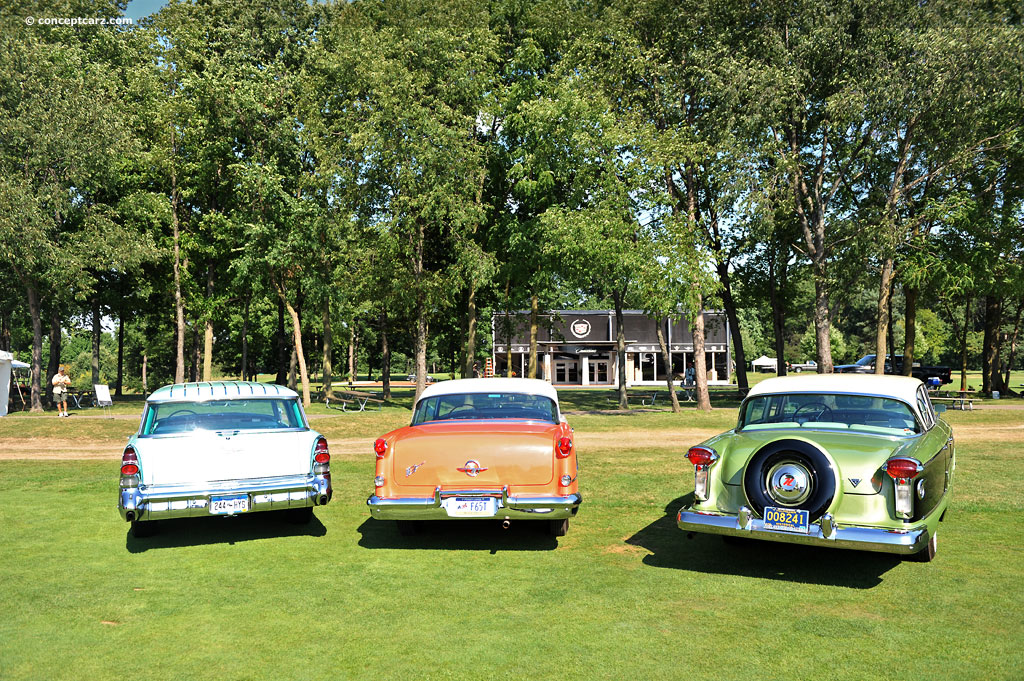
x: 577, y: 347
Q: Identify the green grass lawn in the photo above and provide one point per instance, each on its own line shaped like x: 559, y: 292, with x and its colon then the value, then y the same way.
x: 624, y: 595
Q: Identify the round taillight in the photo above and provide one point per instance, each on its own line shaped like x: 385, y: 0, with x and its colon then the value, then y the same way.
x: 701, y: 456
x: 321, y: 454
x: 564, y: 447
x: 129, y: 469
x: 902, y: 468
x: 380, y: 447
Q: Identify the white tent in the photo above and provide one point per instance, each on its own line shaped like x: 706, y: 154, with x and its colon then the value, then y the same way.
x: 765, y: 363
x: 6, y: 359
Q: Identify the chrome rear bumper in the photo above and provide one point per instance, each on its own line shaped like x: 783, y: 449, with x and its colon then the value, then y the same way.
x: 157, y: 502
x: 824, y: 532
x: 510, y: 507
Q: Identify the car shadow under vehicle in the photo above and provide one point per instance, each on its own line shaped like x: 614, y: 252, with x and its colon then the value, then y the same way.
x: 670, y: 547
x: 460, y: 535
x: 222, y: 530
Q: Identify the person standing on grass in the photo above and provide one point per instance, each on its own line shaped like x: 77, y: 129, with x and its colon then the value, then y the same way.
x: 60, y: 382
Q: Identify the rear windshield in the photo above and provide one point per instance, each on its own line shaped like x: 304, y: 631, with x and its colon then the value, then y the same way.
x: 261, y: 414
x: 853, y: 412
x: 485, y: 406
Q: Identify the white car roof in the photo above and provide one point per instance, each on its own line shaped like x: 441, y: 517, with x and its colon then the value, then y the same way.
x: 528, y: 386
x: 900, y: 387
x: 219, y: 390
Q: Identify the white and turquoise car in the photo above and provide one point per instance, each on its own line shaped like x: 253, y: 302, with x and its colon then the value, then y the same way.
x: 222, y: 448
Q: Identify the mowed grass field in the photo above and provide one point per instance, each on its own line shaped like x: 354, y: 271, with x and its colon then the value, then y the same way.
x: 625, y: 595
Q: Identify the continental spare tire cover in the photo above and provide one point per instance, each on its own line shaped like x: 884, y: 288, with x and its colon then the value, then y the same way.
x: 790, y: 474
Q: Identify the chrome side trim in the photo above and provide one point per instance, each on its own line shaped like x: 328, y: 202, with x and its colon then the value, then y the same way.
x: 902, y: 542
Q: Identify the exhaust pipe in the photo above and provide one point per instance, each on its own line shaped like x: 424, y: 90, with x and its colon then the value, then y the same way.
x: 323, y: 500
x: 129, y: 516
x: 505, y: 524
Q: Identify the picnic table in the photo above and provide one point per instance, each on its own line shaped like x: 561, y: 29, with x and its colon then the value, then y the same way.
x: 959, y: 399
x: 353, y: 397
x: 79, y: 396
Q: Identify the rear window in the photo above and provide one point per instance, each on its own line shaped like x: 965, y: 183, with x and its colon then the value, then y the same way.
x: 854, y: 412
x: 467, y: 406
x: 254, y: 414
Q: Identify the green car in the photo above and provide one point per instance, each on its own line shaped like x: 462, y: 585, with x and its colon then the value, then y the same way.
x: 847, y: 461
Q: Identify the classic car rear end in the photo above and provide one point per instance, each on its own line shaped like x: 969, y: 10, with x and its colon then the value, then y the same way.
x: 859, y: 462
x: 479, y: 448
x: 222, y: 448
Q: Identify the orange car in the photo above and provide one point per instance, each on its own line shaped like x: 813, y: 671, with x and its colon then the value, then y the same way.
x: 495, y: 448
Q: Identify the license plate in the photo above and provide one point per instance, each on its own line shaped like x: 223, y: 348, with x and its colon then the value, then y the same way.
x: 471, y: 507
x: 229, y: 505
x: 786, y: 519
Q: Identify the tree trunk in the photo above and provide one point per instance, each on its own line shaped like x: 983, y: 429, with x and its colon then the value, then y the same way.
x: 193, y: 371
x: 699, y: 360
x: 620, y: 349
x: 666, y: 357
x: 55, y: 347
x: 385, y: 357
x: 963, y: 346
x: 297, y: 340
x: 282, y: 347
x: 37, y: 347
x: 421, y: 351
x: 208, y: 334
x: 471, y: 321
x: 179, y: 308
x: 1013, y: 348
x: 508, y: 329
x: 993, y: 319
x: 328, y: 390
x: 96, y: 330
x: 822, y: 323
x: 778, y: 316
x: 910, y: 328
x: 734, y: 328
x: 531, y: 367
x: 882, y: 315
x: 245, y: 341
x: 120, y: 354
x: 145, y: 384
x: 351, y: 354
x: 293, y: 361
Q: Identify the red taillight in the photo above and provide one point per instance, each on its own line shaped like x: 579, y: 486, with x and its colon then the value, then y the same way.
x: 320, y: 452
x: 902, y: 469
x: 701, y: 456
x: 129, y: 462
x: 564, y: 447
x: 381, y: 447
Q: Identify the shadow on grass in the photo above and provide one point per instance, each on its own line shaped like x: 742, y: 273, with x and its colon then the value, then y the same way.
x: 227, y: 530
x: 459, y: 535
x: 671, y: 548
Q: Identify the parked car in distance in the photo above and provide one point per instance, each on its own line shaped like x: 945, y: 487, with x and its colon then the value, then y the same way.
x: 866, y: 365
x: 809, y: 365
x: 223, y: 448
x: 479, y: 448
x: 412, y: 378
x: 855, y: 462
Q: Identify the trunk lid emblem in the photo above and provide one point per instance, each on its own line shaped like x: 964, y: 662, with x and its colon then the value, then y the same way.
x: 472, y: 468
x: 412, y: 469
x: 854, y: 481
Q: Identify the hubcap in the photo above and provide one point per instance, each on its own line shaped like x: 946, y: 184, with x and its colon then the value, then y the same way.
x: 789, y: 483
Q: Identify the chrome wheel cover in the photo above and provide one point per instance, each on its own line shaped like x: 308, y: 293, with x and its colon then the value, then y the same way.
x: 789, y: 483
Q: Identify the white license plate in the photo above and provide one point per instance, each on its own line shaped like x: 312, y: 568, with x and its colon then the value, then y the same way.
x: 229, y: 505
x: 471, y: 507
x: 786, y: 519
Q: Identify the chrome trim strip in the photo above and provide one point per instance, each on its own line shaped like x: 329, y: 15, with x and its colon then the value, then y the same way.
x: 903, y: 542
x: 429, y: 508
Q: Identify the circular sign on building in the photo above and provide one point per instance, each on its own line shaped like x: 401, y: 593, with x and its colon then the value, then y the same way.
x: 580, y: 328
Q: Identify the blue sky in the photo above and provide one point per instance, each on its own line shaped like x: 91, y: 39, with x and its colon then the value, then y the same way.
x: 138, y: 9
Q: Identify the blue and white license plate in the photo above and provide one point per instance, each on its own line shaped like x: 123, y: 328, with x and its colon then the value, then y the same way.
x: 471, y: 507
x: 229, y: 505
x: 786, y: 519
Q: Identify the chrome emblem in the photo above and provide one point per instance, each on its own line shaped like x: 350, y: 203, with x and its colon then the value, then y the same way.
x: 789, y: 483
x: 854, y: 481
x: 412, y: 469
x: 472, y: 468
